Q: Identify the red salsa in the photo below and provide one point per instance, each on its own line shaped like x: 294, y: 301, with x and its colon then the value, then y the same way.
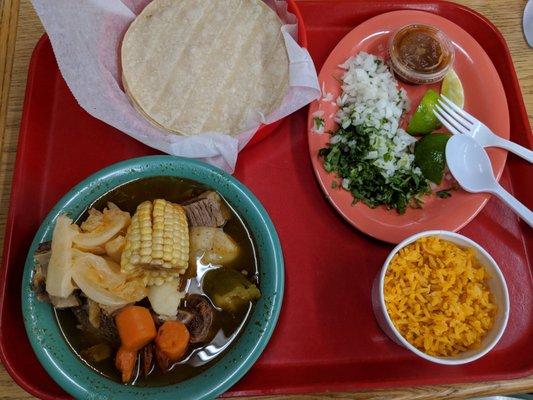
x: 420, y: 54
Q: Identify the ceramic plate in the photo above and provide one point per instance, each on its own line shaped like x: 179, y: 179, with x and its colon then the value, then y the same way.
x: 484, y: 98
x: 84, y: 383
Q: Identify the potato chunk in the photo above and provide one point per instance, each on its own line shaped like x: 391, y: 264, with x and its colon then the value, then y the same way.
x: 212, y: 244
x: 165, y: 299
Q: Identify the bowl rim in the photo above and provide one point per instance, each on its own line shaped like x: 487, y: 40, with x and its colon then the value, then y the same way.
x: 134, y: 169
x: 398, y: 335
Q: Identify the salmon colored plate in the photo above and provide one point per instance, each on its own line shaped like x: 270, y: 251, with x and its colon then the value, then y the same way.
x: 484, y: 98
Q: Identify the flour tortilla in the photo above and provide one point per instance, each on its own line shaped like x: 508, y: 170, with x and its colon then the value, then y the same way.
x: 193, y: 67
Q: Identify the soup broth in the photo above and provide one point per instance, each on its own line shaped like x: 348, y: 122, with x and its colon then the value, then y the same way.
x: 226, y: 326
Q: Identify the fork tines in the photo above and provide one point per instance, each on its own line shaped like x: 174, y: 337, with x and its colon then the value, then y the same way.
x: 452, y: 117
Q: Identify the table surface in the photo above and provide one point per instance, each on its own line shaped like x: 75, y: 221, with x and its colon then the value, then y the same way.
x: 19, y: 31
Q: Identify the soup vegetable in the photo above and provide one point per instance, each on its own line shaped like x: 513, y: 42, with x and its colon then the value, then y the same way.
x: 153, y: 283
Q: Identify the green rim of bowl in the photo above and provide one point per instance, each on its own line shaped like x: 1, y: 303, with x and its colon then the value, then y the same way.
x: 82, y: 382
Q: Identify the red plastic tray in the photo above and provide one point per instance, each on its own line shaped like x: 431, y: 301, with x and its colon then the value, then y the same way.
x: 326, y: 338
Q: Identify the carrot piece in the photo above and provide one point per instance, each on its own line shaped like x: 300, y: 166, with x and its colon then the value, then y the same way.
x: 135, y: 327
x: 172, y: 340
x: 125, y: 362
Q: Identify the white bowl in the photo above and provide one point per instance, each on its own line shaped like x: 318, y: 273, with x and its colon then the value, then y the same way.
x: 497, y: 286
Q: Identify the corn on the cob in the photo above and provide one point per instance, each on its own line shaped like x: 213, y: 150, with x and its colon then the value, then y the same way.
x: 157, y: 242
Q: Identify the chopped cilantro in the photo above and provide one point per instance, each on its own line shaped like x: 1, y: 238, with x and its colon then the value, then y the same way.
x: 366, y: 181
x: 445, y: 193
x: 319, y: 122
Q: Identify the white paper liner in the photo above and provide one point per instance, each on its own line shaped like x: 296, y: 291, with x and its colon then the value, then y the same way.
x: 86, y: 36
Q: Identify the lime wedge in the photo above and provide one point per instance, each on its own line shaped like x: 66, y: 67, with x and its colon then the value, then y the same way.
x: 452, y: 88
x: 430, y: 157
x: 423, y: 120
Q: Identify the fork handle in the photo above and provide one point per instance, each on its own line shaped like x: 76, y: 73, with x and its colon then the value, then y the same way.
x: 521, y: 210
x: 520, y: 151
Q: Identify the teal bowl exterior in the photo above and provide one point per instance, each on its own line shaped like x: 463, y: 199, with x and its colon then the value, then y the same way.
x: 82, y: 382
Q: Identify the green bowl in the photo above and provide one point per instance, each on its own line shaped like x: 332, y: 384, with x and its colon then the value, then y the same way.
x: 82, y: 382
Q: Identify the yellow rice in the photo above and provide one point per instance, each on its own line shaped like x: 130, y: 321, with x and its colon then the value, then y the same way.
x: 437, y: 297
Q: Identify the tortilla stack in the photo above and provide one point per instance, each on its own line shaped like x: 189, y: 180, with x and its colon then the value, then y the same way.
x: 198, y: 66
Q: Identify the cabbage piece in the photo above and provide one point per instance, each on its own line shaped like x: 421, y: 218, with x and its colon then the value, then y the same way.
x: 93, y: 221
x: 114, y: 248
x: 165, y: 299
x: 102, y: 229
x: 59, y: 272
x: 101, y: 281
x: 90, y: 249
x: 229, y: 290
x: 214, y: 244
x: 93, y: 313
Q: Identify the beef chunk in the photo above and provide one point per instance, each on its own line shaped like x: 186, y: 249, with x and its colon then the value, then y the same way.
x: 147, y: 359
x: 208, y: 209
x: 41, y: 258
x: 164, y: 363
x: 107, y: 329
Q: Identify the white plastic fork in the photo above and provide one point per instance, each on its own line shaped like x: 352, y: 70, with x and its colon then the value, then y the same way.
x: 459, y: 121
